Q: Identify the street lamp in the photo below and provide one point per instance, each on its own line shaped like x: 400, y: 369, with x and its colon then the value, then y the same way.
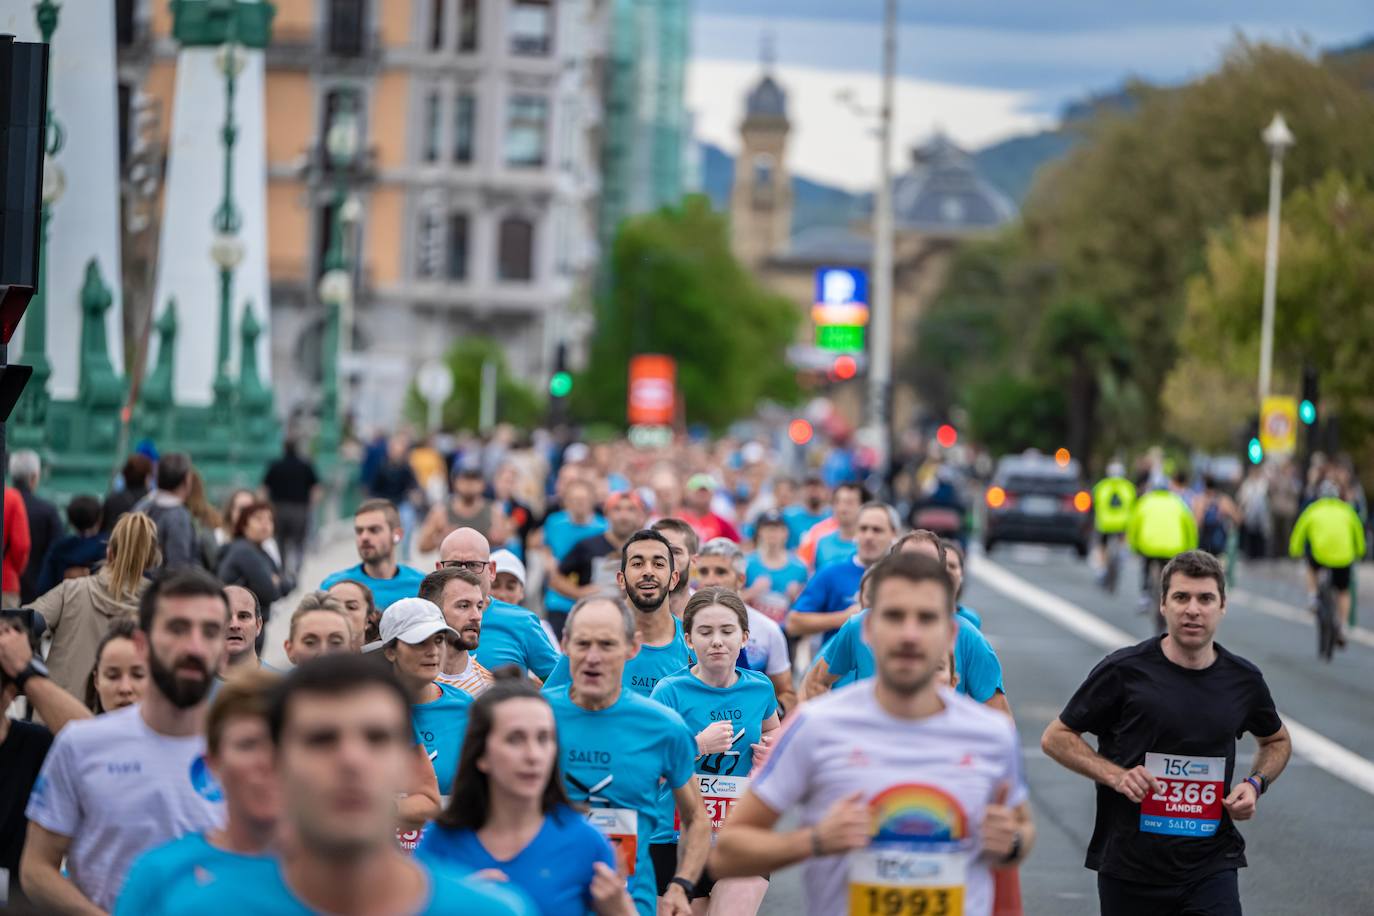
x: 1278, y: 138
x: 342, y: 143
x: 880, y: 328
x: 226, y: 250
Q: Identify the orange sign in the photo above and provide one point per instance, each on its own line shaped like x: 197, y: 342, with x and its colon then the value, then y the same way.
x: 653, y: 390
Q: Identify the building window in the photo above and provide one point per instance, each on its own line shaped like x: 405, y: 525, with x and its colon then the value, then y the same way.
x: 457, y: 246
x: 531, y: 27
x: 430, y: 151
x: 464, y: 127
x: 763, y: 179
x: 347, y: 20
x: 515, y: 256
x: 429, y: 251
x: 468, y: 22
x: 526, y: 123
x: 436, y: 24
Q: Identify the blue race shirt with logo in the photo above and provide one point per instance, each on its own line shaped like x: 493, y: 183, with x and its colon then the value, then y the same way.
x: 646, y: 669
x: 440, y: 725
x: 745, y: 704
x: 181, y: 877
x: 385, y: 592
x: 834, y: 588
x: 612, y: 760
x: 849, y: 656
x: 560, y: 534
x: 832, y: 549
x: 512, y: 635
x: 555, y: 870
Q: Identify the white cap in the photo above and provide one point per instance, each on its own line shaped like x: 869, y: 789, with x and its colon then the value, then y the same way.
x: 507, y: 562
x: 412, y: 621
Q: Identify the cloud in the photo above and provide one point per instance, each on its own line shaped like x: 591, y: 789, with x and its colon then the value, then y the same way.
x: 828, y: 141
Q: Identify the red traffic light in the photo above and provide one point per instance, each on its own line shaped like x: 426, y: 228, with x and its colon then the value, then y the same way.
x: 946, y: 435
x: 845, y: 367
x: 800, y: 431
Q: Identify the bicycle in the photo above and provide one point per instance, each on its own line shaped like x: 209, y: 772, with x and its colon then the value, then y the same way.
x: 1154, y: 574
x: 1111, y: 569
x: 1326, y: 616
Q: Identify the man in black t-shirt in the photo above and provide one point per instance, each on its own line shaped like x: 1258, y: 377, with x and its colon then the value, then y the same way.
x: 293, y: 487
x: 590, y: 566
x: 1166, y: 714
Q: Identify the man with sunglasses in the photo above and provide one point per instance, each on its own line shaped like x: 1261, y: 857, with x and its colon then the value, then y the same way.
x: 510, y: 635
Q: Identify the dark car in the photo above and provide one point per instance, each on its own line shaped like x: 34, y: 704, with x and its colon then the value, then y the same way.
x: 1036, y: 499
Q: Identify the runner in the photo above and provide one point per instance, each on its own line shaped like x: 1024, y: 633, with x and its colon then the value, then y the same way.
x: 648, y: 573
x: 239, y: 752
x: 414, y: 639
x: 242, y: 633
x: 721, y: 563
x: 319, y: 626
x: 376, y: 533
x: 734, y: 715
x: 509, y: 583
x: 812, y: 510
x: 119, y: 784
x: 458, y: 594
x: 467, y: 507
x: 920, y: 787
x: 1113, y: 499
x: 361, y: 608
x: 1167, y: 713
x: 773, y: 577
x: 1330, y: 534
x: 954, y: 564
x: 120, y: 675
x: 841, y: 542
x: 576, y: 521
x: 696, y: 510
x: 591, y: 566
x: 848, y: 656
x: 616, y: 746
x: 342, y: 734
x: 511, y: 635
x: 1161, y: 527
x: 684, y: 543
x: 832, y: 596
x: 510, y: 812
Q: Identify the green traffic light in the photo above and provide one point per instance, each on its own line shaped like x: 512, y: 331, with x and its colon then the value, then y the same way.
x: 1307, y: 412
x: 1256, y: 452
x: 560, y: 384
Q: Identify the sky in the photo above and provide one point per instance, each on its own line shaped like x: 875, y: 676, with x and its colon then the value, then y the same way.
x: 979, y: 70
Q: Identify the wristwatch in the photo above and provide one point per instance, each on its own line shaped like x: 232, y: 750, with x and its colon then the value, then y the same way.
x: 35, y: 667
x: 687, y: 886
x: 1015, y: 849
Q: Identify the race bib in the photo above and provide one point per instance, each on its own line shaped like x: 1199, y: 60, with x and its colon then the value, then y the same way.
x: 1188, y: 802
x: 903, y: 880
x: 720, y: 795
x: 621, y: 827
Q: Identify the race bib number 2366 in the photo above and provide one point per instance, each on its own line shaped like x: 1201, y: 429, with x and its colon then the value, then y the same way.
x: 1188, y: 802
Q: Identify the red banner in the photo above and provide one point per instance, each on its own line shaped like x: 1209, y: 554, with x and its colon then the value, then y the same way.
x: 653, y: 390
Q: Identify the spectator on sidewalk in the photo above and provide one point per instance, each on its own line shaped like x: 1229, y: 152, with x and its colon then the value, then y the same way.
x: 135, y: 476
x: 16, y: 547
x: 79, y: 553
x: 45, y: 522
x: 176, y: 529
x: 293, y: 488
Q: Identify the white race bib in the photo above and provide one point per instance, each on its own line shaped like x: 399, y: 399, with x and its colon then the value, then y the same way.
x: 720, y: 794
x: 621, y: 827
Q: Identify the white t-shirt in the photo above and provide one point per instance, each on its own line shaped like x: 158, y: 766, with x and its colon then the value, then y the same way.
x: 767, y: 644
x: 928, y: 782
x: 118, y: 788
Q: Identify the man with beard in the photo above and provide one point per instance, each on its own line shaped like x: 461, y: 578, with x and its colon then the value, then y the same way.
x: 648, y: 573
x: 119, y: 784
x: 376, y: 532
x: 683, y: 541
x: 241, y: 635
x: 458, y: 593
x: 591, y: 567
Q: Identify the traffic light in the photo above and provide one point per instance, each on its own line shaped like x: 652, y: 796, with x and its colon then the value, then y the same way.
x: 1307, y: 407
x: 1255, y: 451
x: 946, y: 435
x: 800, y: 431
x: 560, y: 384
x: 845, y: 368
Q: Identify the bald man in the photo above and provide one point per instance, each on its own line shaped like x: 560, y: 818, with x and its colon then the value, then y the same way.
x: 510, y: 635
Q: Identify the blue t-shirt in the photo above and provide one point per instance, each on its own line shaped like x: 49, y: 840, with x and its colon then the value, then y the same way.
x: 512, y: 635
x: 646, y: 669
x: 263, y: 892
x: 612, y: 760
x: 385, y: 592
x: 440, y: 726
x: 832, y: 549
x: 799, y: 521
x: 555, y: 870
x: 834, y: 588
x: 792, y: 570
x: 746, y: 704
x: 181, y: 877
x: 970, y: 615
x: 980, y: 673
x: 560, y: 534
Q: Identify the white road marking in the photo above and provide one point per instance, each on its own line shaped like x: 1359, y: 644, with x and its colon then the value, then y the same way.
x: 1277, y: 609
x: 1334, y: 758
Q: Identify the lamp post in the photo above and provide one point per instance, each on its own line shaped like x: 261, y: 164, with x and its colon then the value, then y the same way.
x: 226, y: 250
x: 336, y: 285
x: 880, y: 328
x: 1278, y: 138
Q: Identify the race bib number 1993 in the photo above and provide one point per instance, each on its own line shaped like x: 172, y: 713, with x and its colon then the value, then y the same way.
x: 1188, y: 802
x: 899, y: 881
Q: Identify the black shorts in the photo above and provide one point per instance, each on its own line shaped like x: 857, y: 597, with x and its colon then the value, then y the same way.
x: 1215, y: 895
x: 664, y: 856
x: 1340, y: 575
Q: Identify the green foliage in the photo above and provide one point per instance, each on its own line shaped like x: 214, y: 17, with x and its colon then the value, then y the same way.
x: 516, y: 402
x: 678, y: 290
x: 1009, y: 413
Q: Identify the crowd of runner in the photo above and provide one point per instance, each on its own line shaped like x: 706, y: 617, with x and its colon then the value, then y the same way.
x: 632, y: 682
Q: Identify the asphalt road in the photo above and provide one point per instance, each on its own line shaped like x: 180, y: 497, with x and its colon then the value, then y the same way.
x: 1310, y: 842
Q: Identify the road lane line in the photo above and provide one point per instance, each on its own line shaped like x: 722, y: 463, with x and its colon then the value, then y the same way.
x: 1280, y: 611
x: 1334, y: 758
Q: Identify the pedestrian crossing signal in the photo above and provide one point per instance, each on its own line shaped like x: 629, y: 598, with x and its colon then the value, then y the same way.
x: 1307, y: 412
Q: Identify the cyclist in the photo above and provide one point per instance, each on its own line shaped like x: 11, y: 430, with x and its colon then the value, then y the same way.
x: 1330, y: 534
x: 1217, y: 515
x: 1166, y: 713
x: 1113, y: 498
x: 1160, y: 528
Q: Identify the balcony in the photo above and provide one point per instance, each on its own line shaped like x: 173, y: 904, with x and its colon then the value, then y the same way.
x: 325, y: 49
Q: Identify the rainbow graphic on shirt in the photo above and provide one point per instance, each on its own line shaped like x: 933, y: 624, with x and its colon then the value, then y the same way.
x: 914, y: 811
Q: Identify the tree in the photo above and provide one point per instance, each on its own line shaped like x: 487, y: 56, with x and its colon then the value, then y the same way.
x: 678, y: 290
x: 1081, y: 348
x: 516, y: 403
